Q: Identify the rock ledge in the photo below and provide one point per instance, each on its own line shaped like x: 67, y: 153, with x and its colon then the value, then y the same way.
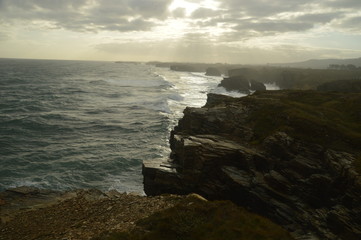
x: 279, y: 154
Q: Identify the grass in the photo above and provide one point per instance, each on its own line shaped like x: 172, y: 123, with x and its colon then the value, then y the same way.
x: 332, y: 120
x: 204, y: 220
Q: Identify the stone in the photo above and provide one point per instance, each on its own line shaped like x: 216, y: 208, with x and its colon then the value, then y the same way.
x: 308, y: 185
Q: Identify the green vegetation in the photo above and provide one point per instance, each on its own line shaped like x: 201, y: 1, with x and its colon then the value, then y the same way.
x: 196, y: 219
x: 332, y: 120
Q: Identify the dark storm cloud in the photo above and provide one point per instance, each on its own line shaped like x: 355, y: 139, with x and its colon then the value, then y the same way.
x: 88, y: 15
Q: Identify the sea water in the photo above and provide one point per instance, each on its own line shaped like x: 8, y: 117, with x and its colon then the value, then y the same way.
x: 83, y: 124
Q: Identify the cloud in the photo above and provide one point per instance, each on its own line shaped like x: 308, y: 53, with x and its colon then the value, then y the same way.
x: 205, y: 13
x: 192, y: 29
x: 263, y: 8
x: 87, y: 15
x: 344, y: 4
x: 205, y: 51
x: 320, y: 17
x: 351, y: 23
x: 4, y: 36
x: 179, y: 13
x: 240, y: 20
x: 272, y: 26
x: 260, y: 16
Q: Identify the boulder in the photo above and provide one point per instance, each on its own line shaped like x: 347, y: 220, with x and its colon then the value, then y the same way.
x: 290, y: 156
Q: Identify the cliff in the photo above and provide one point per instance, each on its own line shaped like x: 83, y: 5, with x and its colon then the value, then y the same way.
x: 294, y: 78
x: 183, y: 68
x: 31, y: 213
x: 292, y: 156
x: 212, y: 71
x: 241, y: 84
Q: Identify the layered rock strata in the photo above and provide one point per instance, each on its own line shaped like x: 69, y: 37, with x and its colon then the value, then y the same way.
x: 288, y: 155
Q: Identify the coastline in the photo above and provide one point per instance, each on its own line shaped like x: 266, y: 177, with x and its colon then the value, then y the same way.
x: 265, y: 162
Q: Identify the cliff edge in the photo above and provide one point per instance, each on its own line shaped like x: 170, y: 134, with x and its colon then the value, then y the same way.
x: 292, y: 156
x: 89, y: 214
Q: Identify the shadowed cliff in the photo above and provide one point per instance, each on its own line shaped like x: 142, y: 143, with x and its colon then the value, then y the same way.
x: 292, y: 156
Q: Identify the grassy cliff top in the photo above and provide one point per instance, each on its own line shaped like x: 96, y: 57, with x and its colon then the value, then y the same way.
x: 195, y: 219
x: 30, y: 213
x: 332, y: 119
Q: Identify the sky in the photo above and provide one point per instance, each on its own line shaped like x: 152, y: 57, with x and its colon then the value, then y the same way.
x: 214, y: 31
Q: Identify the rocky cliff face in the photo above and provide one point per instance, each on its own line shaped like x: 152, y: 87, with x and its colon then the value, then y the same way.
x: 291, y: 156
x: 294, y: 78
x: 241, y: 84
x: 212, y: 71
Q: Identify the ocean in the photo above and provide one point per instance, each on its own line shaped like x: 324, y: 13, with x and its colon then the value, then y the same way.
x: 84, y: 124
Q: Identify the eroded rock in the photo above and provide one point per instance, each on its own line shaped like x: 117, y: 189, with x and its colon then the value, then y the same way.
x: 309, y: 185
x: 242, y: 84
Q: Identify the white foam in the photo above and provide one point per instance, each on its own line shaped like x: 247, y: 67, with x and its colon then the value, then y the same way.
x: 223, y: 91
x: 272, y: 86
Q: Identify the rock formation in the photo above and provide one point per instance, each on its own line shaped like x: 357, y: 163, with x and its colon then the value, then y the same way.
x: 182, y: 68
x: 292, y: 156
x: 294, y: 78
x: 212, y: 71
x: 241, y: 84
